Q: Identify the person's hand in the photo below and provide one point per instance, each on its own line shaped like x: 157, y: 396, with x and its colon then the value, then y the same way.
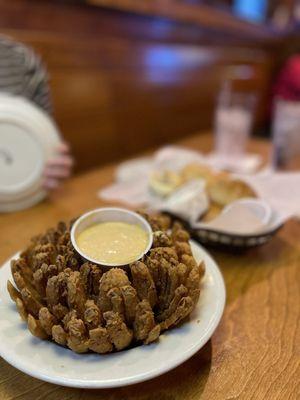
x: 59, y: 168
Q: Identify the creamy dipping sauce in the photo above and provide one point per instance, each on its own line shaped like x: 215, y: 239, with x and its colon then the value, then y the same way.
x: 113, y: 242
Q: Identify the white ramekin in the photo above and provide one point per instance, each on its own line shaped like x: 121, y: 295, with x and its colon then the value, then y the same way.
x: 109, y: 214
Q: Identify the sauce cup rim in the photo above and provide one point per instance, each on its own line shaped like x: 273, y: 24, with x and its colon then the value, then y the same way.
x: 79, y: 220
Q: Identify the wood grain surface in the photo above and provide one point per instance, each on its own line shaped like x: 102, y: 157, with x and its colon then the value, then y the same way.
x: 196, y: 13
x: 254, y: 353
x: 117, y: 76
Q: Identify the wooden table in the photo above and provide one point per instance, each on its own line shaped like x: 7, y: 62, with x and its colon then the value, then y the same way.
x: 255, y: 351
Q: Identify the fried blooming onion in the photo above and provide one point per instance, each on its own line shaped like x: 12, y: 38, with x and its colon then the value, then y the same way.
x: 78, y: 305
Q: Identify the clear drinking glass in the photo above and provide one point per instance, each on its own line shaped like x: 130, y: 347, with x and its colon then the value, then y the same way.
x: 286, y: 135
x: 233, y: 122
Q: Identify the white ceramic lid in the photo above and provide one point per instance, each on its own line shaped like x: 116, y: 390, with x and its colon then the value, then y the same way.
x: 28, y: 139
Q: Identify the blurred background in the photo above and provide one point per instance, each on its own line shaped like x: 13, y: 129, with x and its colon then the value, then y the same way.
x: 129, y: 75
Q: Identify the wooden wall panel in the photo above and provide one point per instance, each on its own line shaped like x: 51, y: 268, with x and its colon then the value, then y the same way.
x: 117, y: 94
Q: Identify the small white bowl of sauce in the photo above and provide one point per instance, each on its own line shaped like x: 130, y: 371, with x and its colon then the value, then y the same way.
x: 111, y: 237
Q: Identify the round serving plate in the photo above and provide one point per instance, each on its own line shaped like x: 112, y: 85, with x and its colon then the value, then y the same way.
x: 47, y: 361
x: 28, y: 139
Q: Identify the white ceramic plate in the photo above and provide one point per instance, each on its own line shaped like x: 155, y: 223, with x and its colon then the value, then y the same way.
x: 52, y: 363
x: 28, y: 138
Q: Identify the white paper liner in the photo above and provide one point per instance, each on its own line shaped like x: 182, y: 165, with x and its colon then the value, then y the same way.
x: 247, y: 164
x: 280, y: 190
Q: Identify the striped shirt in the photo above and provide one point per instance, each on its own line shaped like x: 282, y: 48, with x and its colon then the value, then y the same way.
x: 23, y: 74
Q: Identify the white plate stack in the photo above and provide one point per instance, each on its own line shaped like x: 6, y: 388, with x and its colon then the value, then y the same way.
x: 28, y: 139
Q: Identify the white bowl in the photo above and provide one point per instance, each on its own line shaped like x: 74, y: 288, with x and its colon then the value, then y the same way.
x: 109, y: 214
